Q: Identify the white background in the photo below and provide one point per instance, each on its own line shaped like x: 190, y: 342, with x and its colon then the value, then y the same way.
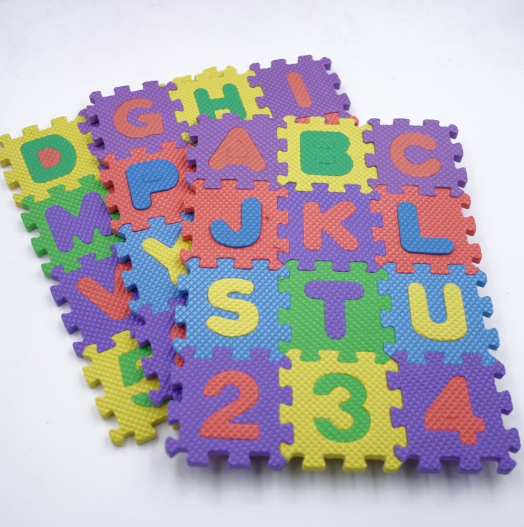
x: 456, y: 61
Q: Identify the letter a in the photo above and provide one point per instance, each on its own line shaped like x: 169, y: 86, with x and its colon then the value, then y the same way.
x: 237, y: 148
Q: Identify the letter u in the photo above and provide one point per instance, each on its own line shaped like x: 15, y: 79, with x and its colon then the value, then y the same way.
x: 454, y: 328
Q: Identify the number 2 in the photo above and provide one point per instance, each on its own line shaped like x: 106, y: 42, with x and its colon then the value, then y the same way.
x: 218, y: 425
x: 353, y: 406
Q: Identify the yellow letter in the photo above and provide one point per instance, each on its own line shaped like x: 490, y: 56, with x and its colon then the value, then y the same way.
x: 247, y: 312
x: 454, y: 328
x: 169, y: 257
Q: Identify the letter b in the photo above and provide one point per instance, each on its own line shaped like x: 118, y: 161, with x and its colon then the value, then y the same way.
x: 324, y: 154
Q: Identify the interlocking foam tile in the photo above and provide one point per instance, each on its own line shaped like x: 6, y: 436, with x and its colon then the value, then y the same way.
x: 159, y: 331
x: 132, y: 119
x: 422, y: 156
x: 155, y: 256
x: 146, y: 186
x: 232, y: 308
x: 304, y: 89
x: 341, y: 410
x: 453, y: 412
x: 71, y: 224
x: 433, y: 312
x: 330, y: 226
x: 98, y: 300
x: 333, y: 310
x: 318, y: 152
x: 229, y: 407
x: 231, y: 148
x: 425, y: 229
x: 42, y: 159
x: 119, y: 372
x: 331, y: 118
x: 234, y: 223
x: 213, y: 93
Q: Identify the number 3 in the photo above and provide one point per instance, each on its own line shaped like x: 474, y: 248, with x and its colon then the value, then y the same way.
x: 353, y: 406
x: 218, y: 425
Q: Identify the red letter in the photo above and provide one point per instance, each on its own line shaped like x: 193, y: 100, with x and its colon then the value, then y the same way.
x: 153, y: 121
x: 397, y: 152
x: 331, y: 222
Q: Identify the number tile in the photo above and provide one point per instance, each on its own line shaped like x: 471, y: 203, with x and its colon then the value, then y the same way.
x: 453, y: 412
x: 341, y: 410
x: 229, y: 407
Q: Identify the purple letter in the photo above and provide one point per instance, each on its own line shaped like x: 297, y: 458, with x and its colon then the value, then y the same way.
x: 334, y: 295
x: 64, y: 225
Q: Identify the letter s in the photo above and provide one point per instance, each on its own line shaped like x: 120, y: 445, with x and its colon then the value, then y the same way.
x: 218, y: 296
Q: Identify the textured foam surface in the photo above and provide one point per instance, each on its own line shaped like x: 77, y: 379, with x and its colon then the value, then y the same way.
x: 155, y: 256
x: 341, y: 410
x: 217, y: 92
x: 440, y: 216
x: 280, y: 263
x: 304, y: 89
x: 319, y: 152
x: 98, y: 300
x: 231, y: 148
x: 132, y: 119
x: 333, y: 310
x: 71, y: 224
x: 469, y: 432
x: 229, y: 407
x: 440, y: 331
x: 329, y: 226
x: 43, y: 159
x: 423, y: 156
x: 243, y: 306
x: 159, y: 331
x: 158, y: 179
x: 126, y: 397
x: 226, y: 205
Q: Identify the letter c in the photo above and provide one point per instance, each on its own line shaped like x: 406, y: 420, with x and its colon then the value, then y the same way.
x: 397, y: 152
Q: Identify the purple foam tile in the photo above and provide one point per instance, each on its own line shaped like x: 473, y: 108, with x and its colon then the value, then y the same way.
x: 422, y: 156
x: 250, y: 428
x: 159, y: 331
x: 329, y: 226
x: 304, y: 89
x: 132, y: 119
x: 477, y: 438
x: 98, y: 300
x: 252, y: 154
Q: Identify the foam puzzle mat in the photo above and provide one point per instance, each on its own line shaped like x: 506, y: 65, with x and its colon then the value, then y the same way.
x: 245, y: 260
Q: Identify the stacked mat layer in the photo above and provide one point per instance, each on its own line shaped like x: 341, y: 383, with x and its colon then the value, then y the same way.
x: 245, y: 260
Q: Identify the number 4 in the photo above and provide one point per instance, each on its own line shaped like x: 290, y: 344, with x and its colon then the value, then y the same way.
x: 451, y: 412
